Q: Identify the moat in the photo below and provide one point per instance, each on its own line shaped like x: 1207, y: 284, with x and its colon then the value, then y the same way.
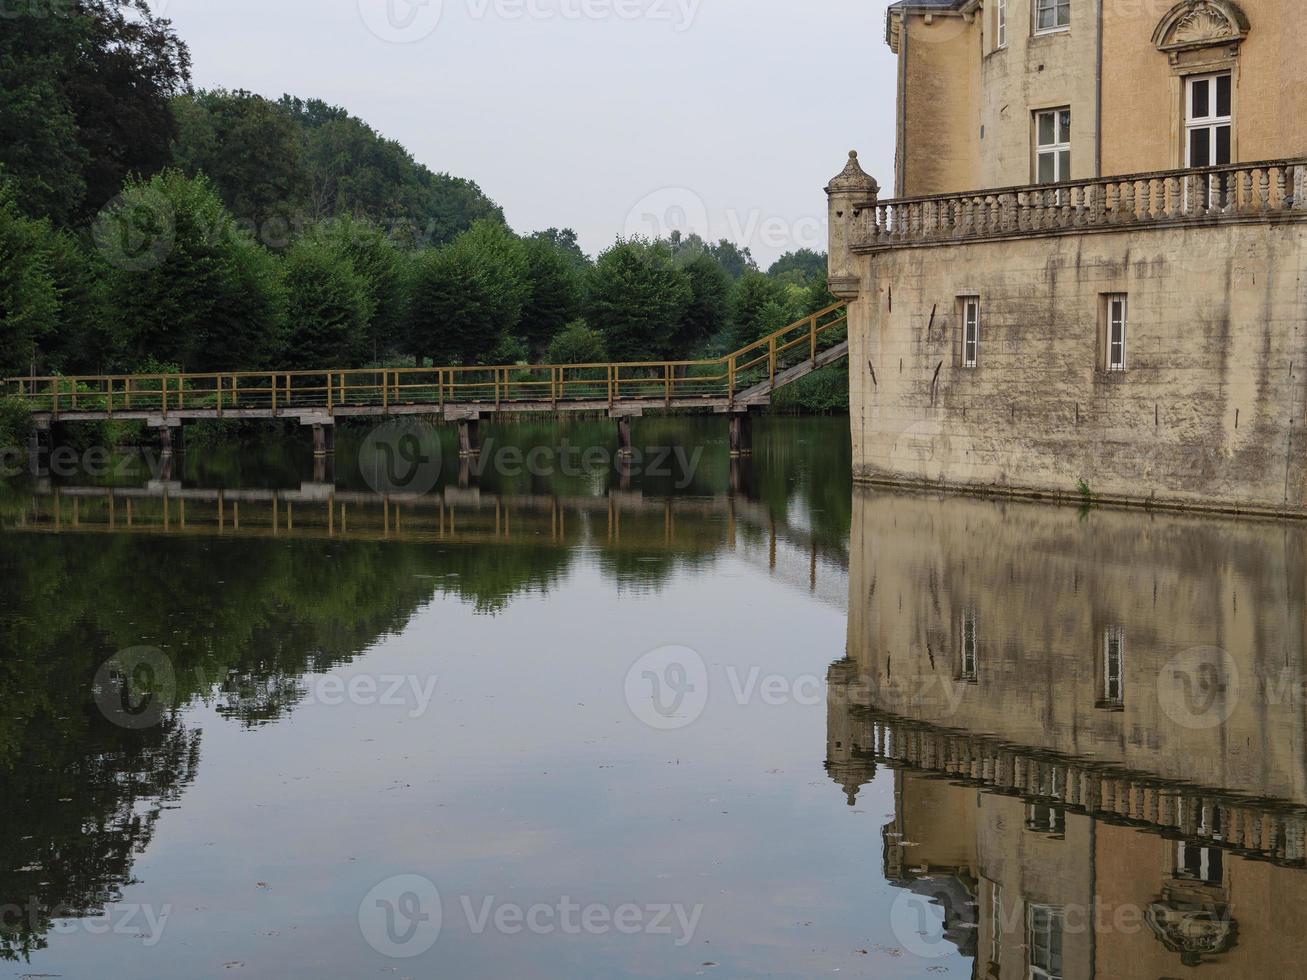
x: 575, y: 716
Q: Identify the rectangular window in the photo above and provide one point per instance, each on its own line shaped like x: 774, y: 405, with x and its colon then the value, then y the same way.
x: 1044, y: 924
x: 1044, y: 819
x: 970, y: 331
x: 1000, y: 25
x: 970, y: 646
x: 1052, y: 146
x: 1117, y: 315
x: 1052, y: 15
x: 1196, y: 863
x: 1114, y: 667
x: 1208, y: 129
x: 995, y: 923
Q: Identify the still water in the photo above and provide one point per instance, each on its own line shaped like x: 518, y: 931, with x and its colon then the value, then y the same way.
x: 693, y: 718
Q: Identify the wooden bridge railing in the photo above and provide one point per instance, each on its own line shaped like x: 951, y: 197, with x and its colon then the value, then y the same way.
x: 605, y: 384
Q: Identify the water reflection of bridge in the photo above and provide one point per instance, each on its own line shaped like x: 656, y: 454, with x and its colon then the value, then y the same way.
x: 618, y: 520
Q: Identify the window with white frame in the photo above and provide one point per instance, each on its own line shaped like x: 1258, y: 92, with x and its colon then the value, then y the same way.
x: 1114, y: 666
x: 1042, y: 818
x: 970, y: 331
x: 970, y: 646
x: 1044, y: 925
x: 1194, y: 862
x: 1052, y: 15
x: 1000, y: 24
x: 1052, y: 146
x: 1118, y: 311
x: 1209, y: 120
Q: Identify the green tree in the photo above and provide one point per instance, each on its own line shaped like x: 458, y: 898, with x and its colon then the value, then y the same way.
x: 759, y: 306
x: 383, y: 268
x: 637, y: 299
x: 564, y: 239
x: 468, y: 295
x: 188, y: 285
x: 554, y: 297
x: 577, y: 344
x: 709, y: 310
x: 735, y: 260
x: 801, y: 268
x: 327, y: 307
x: 351, y: 169
x: 29, y: 300
x: 251, y: 150
x: 84, y: 90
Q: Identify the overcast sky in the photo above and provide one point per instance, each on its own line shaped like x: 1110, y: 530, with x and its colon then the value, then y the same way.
x: 608, y: 116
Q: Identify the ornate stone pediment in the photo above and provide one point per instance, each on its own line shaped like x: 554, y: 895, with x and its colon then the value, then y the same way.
x: 1193, y: 24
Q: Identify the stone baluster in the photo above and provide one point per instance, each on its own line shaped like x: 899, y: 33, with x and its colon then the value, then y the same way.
x: 1174, y: 202
x: 1246, y: 202
x: 1281, y: 185
x: 1145, y: 200
x: 1264, y: 194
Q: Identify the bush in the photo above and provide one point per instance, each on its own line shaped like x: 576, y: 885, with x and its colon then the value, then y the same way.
x: 15, y: 423
x: 576, y: 343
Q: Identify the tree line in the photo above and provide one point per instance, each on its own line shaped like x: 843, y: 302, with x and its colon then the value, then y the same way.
x: 144, y: 226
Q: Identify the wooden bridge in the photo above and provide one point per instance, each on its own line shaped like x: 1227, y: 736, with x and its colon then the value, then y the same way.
x: 732, y: 385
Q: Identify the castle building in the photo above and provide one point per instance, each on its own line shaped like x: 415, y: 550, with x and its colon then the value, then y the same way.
x: 1091, y: 277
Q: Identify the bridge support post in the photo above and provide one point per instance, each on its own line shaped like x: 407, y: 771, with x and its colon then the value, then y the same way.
x: 172, y: 440
x: 742, y: 476
x: 624, y: 448
x: 324, y: 440
x: 741, y: 434
x: 39, y: 446
x: 469, y: 437
x: 324, y: 469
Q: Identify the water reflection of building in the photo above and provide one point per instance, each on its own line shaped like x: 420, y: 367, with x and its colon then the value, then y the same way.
x: 1095, y: 731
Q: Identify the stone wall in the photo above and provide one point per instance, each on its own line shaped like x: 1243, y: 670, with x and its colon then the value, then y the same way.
x: 1219, y: 603
x: 1209, y: 412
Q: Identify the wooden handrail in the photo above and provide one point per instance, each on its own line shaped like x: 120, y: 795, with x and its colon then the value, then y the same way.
x: 613, y: 382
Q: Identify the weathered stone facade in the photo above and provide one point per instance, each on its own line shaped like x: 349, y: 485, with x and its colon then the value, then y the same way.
x: 1158, y: 809
x: 985, y: 349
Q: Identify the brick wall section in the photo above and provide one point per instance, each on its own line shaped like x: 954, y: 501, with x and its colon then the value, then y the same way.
x: 1209, y: 412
